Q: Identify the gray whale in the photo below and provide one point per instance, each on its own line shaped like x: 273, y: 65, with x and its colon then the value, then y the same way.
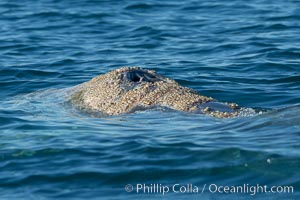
x: 129, y: 89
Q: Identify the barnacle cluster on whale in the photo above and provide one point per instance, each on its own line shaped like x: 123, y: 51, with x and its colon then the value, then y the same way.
x: 128, y: 89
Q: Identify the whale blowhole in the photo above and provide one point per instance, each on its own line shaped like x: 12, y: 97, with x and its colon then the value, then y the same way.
x: 139, y: 76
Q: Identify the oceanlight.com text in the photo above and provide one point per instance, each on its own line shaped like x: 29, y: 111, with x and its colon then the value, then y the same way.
x: 163, y: 189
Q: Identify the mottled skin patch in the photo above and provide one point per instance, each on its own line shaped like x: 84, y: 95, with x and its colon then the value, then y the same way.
x: 129, y: 89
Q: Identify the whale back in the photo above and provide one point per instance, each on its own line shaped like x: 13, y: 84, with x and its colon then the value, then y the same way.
x: 128, y: 89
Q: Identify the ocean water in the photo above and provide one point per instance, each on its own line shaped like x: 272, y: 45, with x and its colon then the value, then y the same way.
x: 246, y: 52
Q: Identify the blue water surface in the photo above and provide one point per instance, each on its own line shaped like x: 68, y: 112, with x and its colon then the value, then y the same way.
x: 246, y: 52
